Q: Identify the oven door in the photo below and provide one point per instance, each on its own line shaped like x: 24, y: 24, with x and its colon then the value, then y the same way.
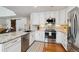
x: 50, y: 34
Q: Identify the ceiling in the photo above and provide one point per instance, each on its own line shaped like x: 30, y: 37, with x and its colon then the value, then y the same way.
x: 27, y: 10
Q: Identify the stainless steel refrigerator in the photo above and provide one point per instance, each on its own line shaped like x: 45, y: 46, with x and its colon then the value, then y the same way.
x: 73, y: 30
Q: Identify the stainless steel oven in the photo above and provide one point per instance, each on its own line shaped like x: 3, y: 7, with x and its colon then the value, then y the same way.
x: 50, y: 35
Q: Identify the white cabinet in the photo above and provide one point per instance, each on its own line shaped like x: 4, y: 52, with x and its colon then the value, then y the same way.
x: 12, y: 46
x: 42, y: 18
x: 32, y: 37
x: 47, y: 15
x: 39, y: 35
x: 64, y: 41
x: 42, y: 35
x: 59, y: 37
x: 1, y: 49
x: 62, y: 19
x: 35, y: 18
x: 62, y: 38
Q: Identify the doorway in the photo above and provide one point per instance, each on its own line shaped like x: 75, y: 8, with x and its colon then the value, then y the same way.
x: 13, y: 25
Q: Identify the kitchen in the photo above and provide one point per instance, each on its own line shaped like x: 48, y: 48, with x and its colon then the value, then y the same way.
x: 23, y: 28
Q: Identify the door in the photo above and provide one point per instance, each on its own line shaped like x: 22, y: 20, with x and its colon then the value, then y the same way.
x: 13, y: 25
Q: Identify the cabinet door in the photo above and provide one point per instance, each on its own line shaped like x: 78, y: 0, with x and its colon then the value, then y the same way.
x: 37, y: 36
x: 62, y: 19
x: 35, y: 17
x: 42, y: 18
x: 58, y: 37
x: 32, y: 38
x: 30, y: 41
x: 13, y: 46
x: 47, y: 15
x: 41, y: 36
x: 62, y: 38
x: 65, y: 41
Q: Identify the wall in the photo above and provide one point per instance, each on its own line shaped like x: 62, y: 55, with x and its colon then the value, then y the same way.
x: 3, y: 22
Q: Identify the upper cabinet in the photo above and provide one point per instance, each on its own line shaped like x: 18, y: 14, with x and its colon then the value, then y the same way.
x: 41, y: 17
x: 62, y: 16
x: 4, y: 12
x: 35, y: 18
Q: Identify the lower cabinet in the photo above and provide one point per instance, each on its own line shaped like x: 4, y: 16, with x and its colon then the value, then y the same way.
x: 24, y: 43
x: 19, y: 44
x: 37, y: 35
x: 32, y: 37
x: 12, y: 46
x: 62, y: 38
x: 40, y: 36
x: 64, y: 41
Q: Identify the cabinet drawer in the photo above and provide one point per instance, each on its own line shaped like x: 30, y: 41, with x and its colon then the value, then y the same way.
x: 14, y: 48
x: 12, y: 42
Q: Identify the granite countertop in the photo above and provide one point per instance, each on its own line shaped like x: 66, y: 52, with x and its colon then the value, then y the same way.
x: 10, y: 36
x: 62, y: 28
